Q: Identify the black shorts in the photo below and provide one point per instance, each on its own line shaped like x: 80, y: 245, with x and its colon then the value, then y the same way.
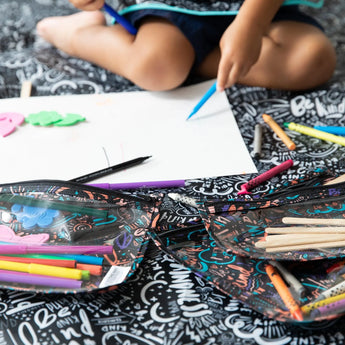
x: 204, y: 32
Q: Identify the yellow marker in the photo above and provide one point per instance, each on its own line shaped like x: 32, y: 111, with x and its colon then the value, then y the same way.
x: 315, y: 133
x: 279, y: 131
x: 46, y: 270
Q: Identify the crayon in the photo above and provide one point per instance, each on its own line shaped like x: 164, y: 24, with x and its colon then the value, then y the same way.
x: 279, y: 131
x: 284, y: 292
x: 290, y: 279
x: 265, y: 176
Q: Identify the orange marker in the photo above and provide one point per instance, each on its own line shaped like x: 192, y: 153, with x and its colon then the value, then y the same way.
x: 95, y: 270
x: 284, y: 292
x: 279, y: 131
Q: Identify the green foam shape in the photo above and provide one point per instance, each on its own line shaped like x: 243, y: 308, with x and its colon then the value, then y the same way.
x: 69, y: 120
x: 43, y: 118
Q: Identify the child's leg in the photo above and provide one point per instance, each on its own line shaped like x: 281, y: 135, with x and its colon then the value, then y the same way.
x: 294, y: 56
x: 159, y: 57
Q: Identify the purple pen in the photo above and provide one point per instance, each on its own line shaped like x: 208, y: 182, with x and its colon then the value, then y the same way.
x: 136, y: 185
x: 44, y: 249
x: 38, y: 279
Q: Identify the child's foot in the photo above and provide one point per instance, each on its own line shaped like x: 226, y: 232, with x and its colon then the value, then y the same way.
x: 59, y: 31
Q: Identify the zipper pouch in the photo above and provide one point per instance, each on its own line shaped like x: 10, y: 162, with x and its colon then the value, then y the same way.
x: 300, y: 224
x: 309, y: 283
x: 58, y: 236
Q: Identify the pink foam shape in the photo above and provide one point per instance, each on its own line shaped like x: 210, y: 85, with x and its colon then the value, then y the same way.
x: 8, y: 235
x: 6, y: 127
x: 16, y: 118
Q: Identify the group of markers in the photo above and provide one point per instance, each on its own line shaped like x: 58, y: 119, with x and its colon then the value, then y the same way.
x: 329, y: 303
x: 334, y: 134
x: 55, y: 266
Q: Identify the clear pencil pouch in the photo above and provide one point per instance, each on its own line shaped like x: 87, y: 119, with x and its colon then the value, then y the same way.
x: 58, y: 236
x: 245, y: 278
x: 300, y: 229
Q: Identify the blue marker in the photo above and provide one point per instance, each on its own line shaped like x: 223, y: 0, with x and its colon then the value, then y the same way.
x: 337, y: 130
x: 204, y: 99
x: 121, y: 20
x: 84, y: 259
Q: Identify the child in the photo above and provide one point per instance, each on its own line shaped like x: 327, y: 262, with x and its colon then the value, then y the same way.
x: 263, y: 44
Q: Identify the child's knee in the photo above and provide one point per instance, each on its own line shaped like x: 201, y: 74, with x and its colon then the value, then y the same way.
x: 317, y: 63
x: 155, y: 72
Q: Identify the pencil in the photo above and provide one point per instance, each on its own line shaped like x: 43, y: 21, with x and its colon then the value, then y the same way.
x: 279, y: 131
x: 110, y: 170
x: 284, y: 292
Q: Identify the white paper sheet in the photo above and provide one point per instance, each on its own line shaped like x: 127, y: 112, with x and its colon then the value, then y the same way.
x: 123, y: 126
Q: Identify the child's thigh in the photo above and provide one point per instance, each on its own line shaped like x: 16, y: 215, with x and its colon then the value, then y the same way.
x: 298, y: 35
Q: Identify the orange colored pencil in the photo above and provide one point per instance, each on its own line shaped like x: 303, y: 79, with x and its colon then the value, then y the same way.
x: 284, y: 292
x: 279, y: 131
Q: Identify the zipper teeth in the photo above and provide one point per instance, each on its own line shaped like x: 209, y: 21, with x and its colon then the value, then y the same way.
x: 316, y: 189
x: 57, y: 183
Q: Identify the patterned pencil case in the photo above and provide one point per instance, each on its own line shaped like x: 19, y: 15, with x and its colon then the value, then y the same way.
x: 245, y: 278
x: 58, y: 236
x: 300, y: 224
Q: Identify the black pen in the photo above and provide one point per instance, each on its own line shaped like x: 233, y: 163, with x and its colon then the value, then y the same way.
x: 109, y: 170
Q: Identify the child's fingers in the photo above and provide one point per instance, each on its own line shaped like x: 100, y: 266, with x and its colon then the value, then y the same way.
x: 223, y: 75
x: 88, y: 5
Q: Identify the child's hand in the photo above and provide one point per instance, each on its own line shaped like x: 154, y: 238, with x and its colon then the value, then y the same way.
x: 240, y: 48
x: 87, y: 5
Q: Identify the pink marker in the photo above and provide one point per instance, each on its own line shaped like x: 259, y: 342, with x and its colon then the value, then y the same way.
x: 265, y: 176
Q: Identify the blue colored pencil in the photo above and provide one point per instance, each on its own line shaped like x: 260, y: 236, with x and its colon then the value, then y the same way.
x: 121, y: 20
x: 203, y: 100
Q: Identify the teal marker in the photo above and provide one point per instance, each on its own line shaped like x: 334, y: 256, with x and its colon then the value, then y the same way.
x: 203, y: 100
